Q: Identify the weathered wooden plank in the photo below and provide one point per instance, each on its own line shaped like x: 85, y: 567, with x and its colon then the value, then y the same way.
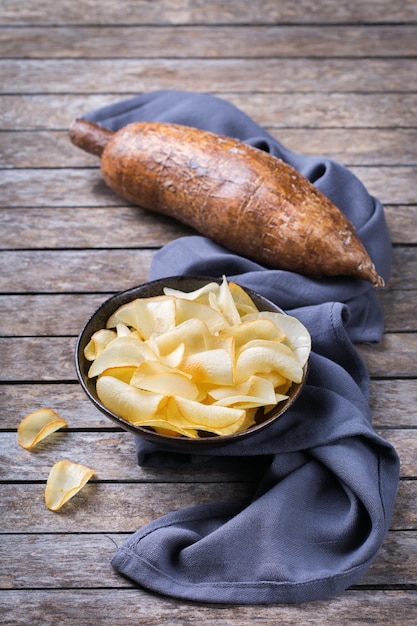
x: 112, y: 270
x: 384, y: 112
x: 107, y: 507
x: 221, y: 75
x: 37, y: 314
x: 56, y: 354
x: 392, y: 185
x: 387, y: 608
x: 55, y: 187
x: 125, y: 507
x: 399, y: 308
x: 68, y: 400
x: 402, y: 223
x: 129, y: 226
x: 394, y: 356
x: 82, y: 270
x: 176, y: 12
x: 50, y: 359
x: 392, y: 404
x: 363, y: 146
x: 68, y: 187
x: 112, y: 455
x: 403, y: 268
x: 89, y: 227
x: 204, y: 41
x: 396, y: 563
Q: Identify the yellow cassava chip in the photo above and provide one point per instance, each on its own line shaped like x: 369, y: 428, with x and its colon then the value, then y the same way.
x: 121, y: 352
x: 38, y: 425
x: 145, y: 314
x: 188, y: 309
x: 297, y: 337
x: 244, y: 302
x: 123, y: 372
x: 193, y: 333
x: 256, y: 391
x: 226, y: 303
x: 130, y: 403
x: 98, y: 342
x: 260, y: 328
x: 64, y: 481
x: 199, y: 295
x: 211, y: 366
x: 216, y: 419
x: 155, y: 315
x: 159, y: 378
x: 259, y: 356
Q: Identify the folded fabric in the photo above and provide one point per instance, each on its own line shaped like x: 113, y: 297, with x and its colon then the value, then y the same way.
x: 326, y: 481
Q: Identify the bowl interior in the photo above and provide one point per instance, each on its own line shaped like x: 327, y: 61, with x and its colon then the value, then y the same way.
x: 154, y: 288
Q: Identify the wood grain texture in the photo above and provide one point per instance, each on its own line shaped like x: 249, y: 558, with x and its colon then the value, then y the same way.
x: 397, y: 561
x: 364, y: 146
x: 61, y: 187
x: 126, y: 507
x: 274, y: 110
x: 118, y: 606
x: 392, y: 404
x: 201, y: 41
x: 329, y: 78
x: 213, y: 13
x: 222, y: 75
x: 51, y: 358
x: 37, y: 313
x: 112, y: 455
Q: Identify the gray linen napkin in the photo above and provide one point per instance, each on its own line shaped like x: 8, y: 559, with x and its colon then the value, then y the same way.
x: 327, y: 484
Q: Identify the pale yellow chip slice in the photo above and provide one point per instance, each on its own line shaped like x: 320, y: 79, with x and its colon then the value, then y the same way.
x: 38, y: 425
x: 188, y: 309
x: 227, y: 304
x: 121, y: 352
x: 154, y: 376
x: 122, y: 330
x: 98, y: 342
x: 259, y: 328
x: 244, y: 303
x: 254, y: 392
x: 297, y: 337
x: 211, y: 366
x: 193, y: 333
x: 216, y: 419
x: 138, y: 314
x: 126, y: 401
x: 64, y: 481
x: 259, y: 356
x: 123, y: 372
x: 199, y: 295
x: 155, y: 315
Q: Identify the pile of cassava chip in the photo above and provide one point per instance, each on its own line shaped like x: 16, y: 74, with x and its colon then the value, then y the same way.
x: 201, y: 362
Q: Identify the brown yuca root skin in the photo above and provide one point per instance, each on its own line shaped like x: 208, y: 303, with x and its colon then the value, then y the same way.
x: 241, y: 197
x: 89, y: 136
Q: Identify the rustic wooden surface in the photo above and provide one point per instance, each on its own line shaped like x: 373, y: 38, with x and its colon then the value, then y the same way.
x: 329, y: 77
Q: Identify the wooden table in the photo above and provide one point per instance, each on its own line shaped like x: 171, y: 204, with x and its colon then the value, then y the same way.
x: 335, y: 78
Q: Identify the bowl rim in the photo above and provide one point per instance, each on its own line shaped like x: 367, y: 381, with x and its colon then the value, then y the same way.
x: 111, y: 304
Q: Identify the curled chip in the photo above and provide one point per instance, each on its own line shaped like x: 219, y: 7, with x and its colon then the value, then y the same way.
x: 64, y: 481
x: 189, y: 363
x: 38, y: 425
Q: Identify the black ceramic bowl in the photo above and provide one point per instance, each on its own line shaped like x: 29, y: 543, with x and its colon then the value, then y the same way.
x: 154, y: 288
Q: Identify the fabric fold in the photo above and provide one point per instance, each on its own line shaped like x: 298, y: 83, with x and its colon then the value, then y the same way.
x: 324, y: 497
